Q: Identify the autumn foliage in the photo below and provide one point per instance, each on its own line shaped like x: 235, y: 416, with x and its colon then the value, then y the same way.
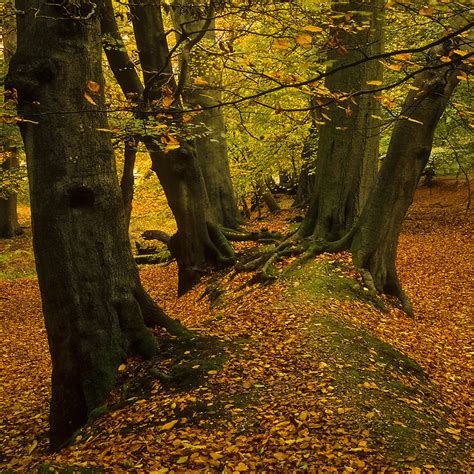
x: 305, y: 374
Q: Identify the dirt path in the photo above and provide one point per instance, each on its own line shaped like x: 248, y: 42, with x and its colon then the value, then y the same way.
x: 294, y: 379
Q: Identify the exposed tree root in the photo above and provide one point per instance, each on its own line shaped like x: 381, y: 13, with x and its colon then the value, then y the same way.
x: 264, y: 236
x: 154, y: 316
x: 392, y: 288
x: 156, y: 234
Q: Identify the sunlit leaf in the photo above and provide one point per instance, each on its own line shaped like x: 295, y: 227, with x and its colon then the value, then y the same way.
x: 313, y: 28
x: 304, y: 40
x: 93, y: 86
x: 89, y: 98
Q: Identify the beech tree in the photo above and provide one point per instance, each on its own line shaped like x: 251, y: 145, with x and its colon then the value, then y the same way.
x: 199, y: 242
x: 374, y: 240
x: 93, y: 303
x: 348, y: 137
x: 201, y: 90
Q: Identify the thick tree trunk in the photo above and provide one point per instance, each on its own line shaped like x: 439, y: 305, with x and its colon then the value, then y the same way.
x: 88, y: 281
x: 211, y: 149
x: 9, y: 226
x: 198, y: 244
x: 348, y: 142
x: 375, y: 239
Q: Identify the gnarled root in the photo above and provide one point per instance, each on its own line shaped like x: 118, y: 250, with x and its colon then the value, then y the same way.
x: 154, y: 316
x: 264, y: 236
x: 390, y: 287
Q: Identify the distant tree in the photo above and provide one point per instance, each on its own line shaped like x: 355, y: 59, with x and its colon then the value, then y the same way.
x: 201, y: 90
x: 93, y: 303
x: 9, y: 166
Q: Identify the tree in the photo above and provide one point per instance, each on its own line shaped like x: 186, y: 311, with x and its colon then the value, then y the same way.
x: 201, y: 90
x: 93, y: 302
x: 9, y: 225
x: 348, y: 135
x: 374, y: 240
x: 198, y: 243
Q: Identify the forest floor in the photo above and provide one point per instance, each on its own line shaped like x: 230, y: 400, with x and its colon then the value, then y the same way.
x: 307, y: 374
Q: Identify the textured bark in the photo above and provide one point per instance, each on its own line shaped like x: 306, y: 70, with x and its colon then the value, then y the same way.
x: 375, y: 239
x: 89, y: 283
x: 188, y: 18
x: 198, y: 244
x: 348, y: 142
x: 9, y: 226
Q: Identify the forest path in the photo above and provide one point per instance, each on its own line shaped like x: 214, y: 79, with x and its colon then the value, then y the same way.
x: 291, y: 376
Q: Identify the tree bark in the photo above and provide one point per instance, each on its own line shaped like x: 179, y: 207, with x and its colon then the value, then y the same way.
x: 375, y: 239
x: 305, y: 189
x: 346, y: 163
x: 189, y: 19
x: 127, y: 181
x: 9, y: 225
x: 89, y: 283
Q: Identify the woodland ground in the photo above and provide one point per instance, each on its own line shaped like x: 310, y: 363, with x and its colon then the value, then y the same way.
x: 305, y: 374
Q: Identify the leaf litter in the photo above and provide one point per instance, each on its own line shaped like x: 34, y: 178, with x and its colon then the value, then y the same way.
x: 302, y: 375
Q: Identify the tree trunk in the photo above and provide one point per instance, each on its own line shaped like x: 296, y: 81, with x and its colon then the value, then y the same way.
x: 9, y: 226
x: 88, y: 281
x: 375, y: 240
x: 127, y: 181
x: 211, y: 149
x: 348, y: 142
x: 305, y: 189
x: 198, y: 244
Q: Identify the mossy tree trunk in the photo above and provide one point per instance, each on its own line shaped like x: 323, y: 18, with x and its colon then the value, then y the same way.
x: 375, y: 239
x: 202, y: 90
x: 348, y: 140
x: 89, y: 284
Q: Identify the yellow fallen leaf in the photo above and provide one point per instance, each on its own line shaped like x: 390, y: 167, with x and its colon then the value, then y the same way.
x: 453, y: 431
x: 402, y: 56
x: 426, y: 11
x: 169, y: 425
x: 182, y: 460
x: 32, y: 446
x: 167, y: 101
x: 241, y: 467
